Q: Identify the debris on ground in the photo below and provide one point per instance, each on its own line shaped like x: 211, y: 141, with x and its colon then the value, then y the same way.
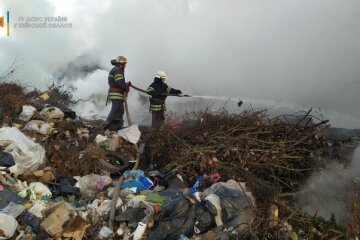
x: 213, y: 176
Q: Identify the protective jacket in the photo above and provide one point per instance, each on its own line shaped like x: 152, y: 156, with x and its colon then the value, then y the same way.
x: 117, y: 84
x: 158, y: 90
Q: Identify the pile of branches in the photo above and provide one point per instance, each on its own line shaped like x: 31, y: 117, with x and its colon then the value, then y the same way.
x: 12, y: 97
x: 268, y: 153
x: 353, y: 228
x: 59, y: 95
x: 273, y: 156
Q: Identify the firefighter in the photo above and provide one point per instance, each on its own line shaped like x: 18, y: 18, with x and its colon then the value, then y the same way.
x: 117, y: 93
x: 159, y: 90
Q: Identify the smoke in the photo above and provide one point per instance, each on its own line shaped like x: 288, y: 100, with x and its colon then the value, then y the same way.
x: 332, y: 189
x: 79, y: 68
x: 303, y: 53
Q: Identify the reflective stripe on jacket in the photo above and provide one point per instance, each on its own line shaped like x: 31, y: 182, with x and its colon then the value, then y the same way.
x: 117, y: 83
x: 157, y: 90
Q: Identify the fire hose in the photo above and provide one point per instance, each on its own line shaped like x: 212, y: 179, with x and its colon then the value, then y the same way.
x: 143, y: 91
x: 177, y: 95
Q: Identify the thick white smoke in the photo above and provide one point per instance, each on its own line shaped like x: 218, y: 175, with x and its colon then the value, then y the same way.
x: 304, y: 53
x: 332, y: 189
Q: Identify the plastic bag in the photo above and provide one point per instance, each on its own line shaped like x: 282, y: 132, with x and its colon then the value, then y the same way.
x: 8, y: 225
x: 37, y: 209
x: 131, y: 134
x: 103, y: 207
x: 6, y: 160
x: 13, y: 209
x: 133, y: 175
x: 105, y: 233
x: 27, y: 113
x: 176, y: 218
x: 100, y: 138
x: 40, y: 189
x: 92, y: 182
x: 52, y: 114
x: 27, y: 154
x: 39, y: 126
x: 235, y: 202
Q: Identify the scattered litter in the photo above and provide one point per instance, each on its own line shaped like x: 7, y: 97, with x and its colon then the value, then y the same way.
x: 13, y: 209
x: 32, y: 221
x: 76, y: 229
x: 6, y: 159
x: 40, y: 189
x: 186, y: 185
x: 39, y: 126
x: 8, y: 225
x: 37, y: 209
x: 43, y: 175
x: 131, y: 134
x: 52, y: 114
x: 27, y: 154
x: 27, y: 113
x: 7, y: 196
x: 105, y: 232
x: 140, y: 230
x: 92, y: 182
x: 100, y: 138
x: 56, y: 216
x: 45, y: 96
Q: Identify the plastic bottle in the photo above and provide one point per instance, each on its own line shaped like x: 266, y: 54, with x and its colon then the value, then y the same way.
x: 139, y: 231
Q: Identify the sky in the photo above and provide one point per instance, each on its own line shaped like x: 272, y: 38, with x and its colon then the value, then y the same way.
x: 294, y: 53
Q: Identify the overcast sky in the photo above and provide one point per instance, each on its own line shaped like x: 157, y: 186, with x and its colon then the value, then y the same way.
x: 304, y: 53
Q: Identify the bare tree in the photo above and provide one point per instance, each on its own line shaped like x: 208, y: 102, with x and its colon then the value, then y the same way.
x: 10, y: 71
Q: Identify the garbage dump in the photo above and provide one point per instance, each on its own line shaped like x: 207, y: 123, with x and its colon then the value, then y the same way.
x: 213, y: 176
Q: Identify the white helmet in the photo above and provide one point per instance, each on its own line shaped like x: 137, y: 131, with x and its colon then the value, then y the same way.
x: 161, y: 74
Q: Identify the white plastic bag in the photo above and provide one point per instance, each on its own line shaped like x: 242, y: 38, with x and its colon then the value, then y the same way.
x: 105, y: 206
x: 92, y: 182
x: 39, y: 126
x: 131, y: 134
x: 27, y: 112
x: 27, y: 154
x: 40, y: 189
x: 8, y: 225
x: 52, y: 114
x: 100, y: 138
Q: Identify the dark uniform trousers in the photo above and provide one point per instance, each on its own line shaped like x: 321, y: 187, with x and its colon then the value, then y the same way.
x: 115, y: 119
x: 158, y: 118
x: 118, y: 88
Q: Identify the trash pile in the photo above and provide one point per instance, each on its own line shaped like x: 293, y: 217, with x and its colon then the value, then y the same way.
x: 217, y: 176
x: 274, y: 157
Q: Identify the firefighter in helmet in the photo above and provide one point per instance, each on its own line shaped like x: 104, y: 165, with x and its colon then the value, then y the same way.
x: 118, y: 90
x: 159, y: 90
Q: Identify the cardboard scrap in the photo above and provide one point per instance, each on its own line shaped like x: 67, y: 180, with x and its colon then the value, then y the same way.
x: 76, y: 228
x: 56, y: 217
